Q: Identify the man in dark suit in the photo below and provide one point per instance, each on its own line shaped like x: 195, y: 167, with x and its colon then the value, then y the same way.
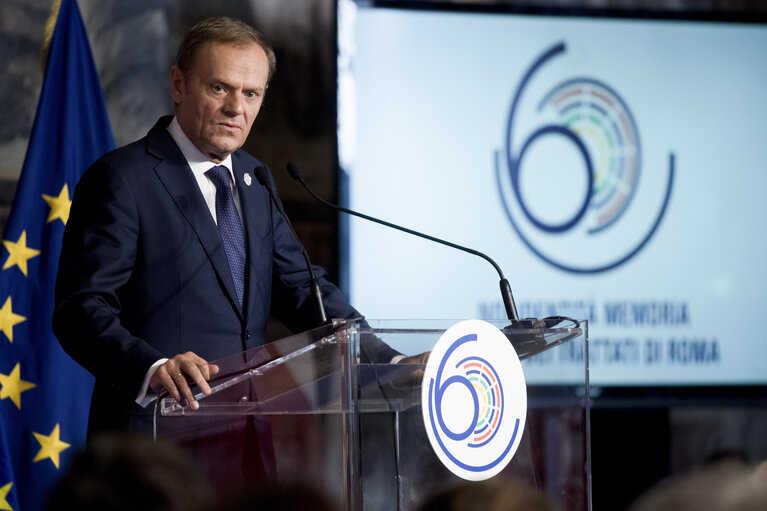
x: 151, y: 286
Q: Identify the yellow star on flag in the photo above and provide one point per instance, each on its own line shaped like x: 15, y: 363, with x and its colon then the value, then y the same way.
x: 59, y: 205
x: 50, y: 446
x: 11, y: 386
x: 8, y: 319
x: 4, y: 490
x: 19, y: 253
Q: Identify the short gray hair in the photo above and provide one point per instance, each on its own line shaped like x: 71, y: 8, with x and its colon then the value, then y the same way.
x: 222, y: 30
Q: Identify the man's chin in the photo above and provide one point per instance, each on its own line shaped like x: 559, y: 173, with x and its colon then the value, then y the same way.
x: 222, y: 150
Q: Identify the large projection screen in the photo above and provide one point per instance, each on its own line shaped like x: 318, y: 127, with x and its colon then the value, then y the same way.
x: 615, y: 169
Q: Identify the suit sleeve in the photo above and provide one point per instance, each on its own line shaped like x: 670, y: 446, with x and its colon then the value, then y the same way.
x: 291, y: 295
x: 97, y: 258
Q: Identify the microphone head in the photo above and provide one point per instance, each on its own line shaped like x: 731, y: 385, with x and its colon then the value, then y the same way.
x: 294, y: 171
x: 262, y: 175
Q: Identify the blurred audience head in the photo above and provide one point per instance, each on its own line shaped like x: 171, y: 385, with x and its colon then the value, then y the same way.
x: 490, y: 495
x: 293, y: 497
x: 123, y: 472
x: 726, y: 484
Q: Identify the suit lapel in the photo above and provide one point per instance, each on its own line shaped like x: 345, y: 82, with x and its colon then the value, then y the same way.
x: 177, y: 178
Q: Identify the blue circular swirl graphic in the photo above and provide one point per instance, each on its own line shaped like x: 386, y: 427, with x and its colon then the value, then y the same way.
x: 586, y: 106
x: 487, y: 411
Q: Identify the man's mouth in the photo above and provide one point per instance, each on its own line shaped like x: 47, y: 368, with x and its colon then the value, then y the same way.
x: 228, y: 126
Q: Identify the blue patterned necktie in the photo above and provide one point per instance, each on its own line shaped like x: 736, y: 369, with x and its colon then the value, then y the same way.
x: 230, y: 226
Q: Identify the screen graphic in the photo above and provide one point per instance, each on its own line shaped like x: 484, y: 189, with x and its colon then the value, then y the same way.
x: 597, y: 122
x: 613, y: 168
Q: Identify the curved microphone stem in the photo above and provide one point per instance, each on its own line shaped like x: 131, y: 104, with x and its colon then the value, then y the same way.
x: 508, y: 298
x: 262, y: 175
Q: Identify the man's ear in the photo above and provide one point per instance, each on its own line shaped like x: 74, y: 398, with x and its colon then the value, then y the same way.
x: 177, y: 84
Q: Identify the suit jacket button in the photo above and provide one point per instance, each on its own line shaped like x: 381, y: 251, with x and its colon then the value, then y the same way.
x: 247, y: 334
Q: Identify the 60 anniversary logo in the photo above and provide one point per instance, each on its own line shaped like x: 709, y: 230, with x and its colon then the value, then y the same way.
x: 591, y: 126
x: 474, y: 400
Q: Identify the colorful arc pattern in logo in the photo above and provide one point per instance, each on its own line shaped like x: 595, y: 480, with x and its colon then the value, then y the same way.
x: 602, y: 120
x: 596, y: 122
x: 489, y: 392
x: 474, y: 400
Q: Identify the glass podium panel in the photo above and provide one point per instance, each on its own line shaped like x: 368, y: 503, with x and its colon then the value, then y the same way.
x: 311, y: 409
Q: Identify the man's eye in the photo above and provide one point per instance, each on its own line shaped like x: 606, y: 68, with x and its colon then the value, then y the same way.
x: 218, y: 88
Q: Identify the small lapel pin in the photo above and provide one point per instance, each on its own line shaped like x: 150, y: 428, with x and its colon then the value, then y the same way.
x: 248, y: 179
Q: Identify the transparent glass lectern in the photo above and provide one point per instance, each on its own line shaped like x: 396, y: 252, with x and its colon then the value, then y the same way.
x: 313, y: 409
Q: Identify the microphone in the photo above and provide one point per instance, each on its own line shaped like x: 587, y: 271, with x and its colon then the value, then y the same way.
x: 508, y: 298
x: 262, y: 175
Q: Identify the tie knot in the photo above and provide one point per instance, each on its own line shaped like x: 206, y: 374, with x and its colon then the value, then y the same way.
x: 219, y: 175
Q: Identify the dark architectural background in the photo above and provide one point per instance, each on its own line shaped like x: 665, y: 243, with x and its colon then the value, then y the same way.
x: 134, y: 47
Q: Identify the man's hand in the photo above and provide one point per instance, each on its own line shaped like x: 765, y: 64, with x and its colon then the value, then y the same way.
x: 176, y: 374
x: 421, y: 358
x: 414, y: 377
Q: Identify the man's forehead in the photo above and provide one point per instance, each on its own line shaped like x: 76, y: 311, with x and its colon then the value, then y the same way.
x: 222, y: 54
x: 211, y: 48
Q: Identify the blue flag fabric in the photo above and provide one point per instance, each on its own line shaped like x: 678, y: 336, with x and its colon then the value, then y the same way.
x: 44, y: 394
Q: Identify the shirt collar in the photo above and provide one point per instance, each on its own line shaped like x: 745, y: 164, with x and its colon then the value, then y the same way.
x: 198, y: 162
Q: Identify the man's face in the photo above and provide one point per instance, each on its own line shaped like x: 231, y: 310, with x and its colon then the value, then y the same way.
x: 218, y: 98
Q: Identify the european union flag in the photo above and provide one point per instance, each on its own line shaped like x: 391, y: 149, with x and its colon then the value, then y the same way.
x: 44, y: 394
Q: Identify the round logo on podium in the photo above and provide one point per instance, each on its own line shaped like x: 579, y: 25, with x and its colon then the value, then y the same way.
x: 474, y: 400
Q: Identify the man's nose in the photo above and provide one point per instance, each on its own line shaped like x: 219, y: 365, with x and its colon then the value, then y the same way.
x: 234, y: 103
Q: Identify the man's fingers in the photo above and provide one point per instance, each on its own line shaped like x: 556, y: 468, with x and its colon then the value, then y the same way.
x: 166, y: 380
x: 207, y: 371
x: 185, y: 390
x: 196, y: 375
x: 182, y: 371
x: 421, y: 358
x: 198, y: 371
